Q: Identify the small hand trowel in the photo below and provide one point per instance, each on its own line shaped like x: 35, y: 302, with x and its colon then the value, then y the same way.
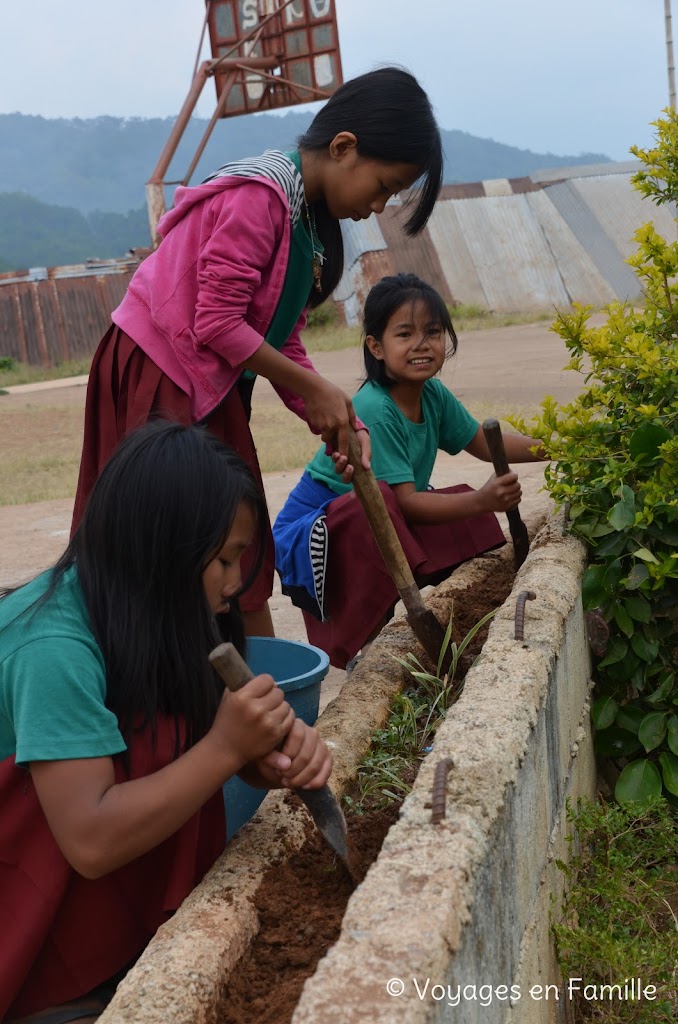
x: 322, y: 803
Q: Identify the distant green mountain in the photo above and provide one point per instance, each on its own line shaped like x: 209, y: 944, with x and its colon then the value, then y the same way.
x: 58, y: 175
x: 37, y: 234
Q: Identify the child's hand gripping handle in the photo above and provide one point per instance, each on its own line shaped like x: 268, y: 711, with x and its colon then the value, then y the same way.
x: 495, y: 443
x: 234, y: 671
x: 519, y: 535
x: 322, y: 802
x: 231, y: 667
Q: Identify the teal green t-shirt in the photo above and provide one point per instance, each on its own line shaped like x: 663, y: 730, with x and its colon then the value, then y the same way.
x: 403, y: 451
x: 52, y: 678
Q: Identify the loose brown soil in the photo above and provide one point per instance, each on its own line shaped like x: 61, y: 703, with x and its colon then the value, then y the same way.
x: 301, y: 902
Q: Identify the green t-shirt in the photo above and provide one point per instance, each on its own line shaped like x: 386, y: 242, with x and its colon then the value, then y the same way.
x: 52, y: 678
x: 403, y: 451
x: 297, y: 284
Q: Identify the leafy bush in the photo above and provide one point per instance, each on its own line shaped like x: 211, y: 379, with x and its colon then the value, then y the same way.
x: 326, y: 315
x: 615, y: 463
x: 7, y: 363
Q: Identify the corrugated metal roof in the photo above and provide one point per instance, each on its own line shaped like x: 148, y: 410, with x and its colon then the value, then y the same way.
x: 456, y: 261
x: 589, y: 232
x: 513, y: 261
x: 464, y: 190
x: 621, y: 210
x: 586, y: 170
x: 413, y: 255
x: 359, y: 237
x: 497, y: 187
x: 91, y: 268
x: 580, y: 276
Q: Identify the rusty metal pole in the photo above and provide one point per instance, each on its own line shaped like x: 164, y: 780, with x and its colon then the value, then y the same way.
x: 669, y: 55
x: 229, y: 66
x: 155, y: 195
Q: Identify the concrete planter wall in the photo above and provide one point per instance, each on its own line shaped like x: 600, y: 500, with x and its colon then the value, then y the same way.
x: 454, y: 914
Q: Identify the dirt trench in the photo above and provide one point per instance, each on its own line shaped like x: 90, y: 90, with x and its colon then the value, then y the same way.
x: 301, y: 901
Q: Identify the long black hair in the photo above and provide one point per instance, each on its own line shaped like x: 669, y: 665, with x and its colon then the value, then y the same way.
x: 383, y: 300
x: 392, y: 119
x: 162, y: 506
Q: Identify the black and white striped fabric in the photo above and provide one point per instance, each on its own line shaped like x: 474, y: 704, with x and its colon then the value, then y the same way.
x: 274, y: 165
x: 317, y: 546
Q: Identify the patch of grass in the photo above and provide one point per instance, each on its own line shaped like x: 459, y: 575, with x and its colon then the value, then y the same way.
x: 620, y: 915
x: 22, y: 373
x: 476, y: 318
x: 283, y: 441
x: 40, y: 453
x: 330, y: 337
x: 386, y: 773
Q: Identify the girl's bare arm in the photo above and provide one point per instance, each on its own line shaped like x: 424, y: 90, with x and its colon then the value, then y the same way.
x: 498, y: 494
x: 101, y: 825
x: 328, y: 409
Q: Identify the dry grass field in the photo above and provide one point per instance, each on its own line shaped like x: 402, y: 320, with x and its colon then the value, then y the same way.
x: 495, y: 372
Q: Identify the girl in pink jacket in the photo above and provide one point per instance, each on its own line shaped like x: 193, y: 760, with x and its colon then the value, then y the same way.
x: 243, y: 257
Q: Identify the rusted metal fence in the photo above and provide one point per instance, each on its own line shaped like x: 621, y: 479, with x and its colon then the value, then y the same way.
x: 49, y: 315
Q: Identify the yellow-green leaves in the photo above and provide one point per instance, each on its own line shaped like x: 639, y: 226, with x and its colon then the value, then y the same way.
x: 614, y: 461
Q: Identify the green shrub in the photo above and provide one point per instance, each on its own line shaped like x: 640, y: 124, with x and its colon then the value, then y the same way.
x: 615, y: 464
x: 7, y: 363
x: 326, y: 315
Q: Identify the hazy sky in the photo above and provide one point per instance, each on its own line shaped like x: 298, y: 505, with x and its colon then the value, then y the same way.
x: 563, y: 77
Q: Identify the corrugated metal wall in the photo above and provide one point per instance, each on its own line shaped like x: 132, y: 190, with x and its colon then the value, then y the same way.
x: 44, y: 322
x: 412, y: 255
x: 509, y: 244
x: 579, y: 273
x: 510, y: 252
x: 559, y: 237
x: 449, y: 240
x: 621, y: 210
x: 594, y: 241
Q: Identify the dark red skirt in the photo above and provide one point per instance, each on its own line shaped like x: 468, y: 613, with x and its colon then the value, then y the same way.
x: 126, y: 389
x: 359, y: 591
x: 61, y: 935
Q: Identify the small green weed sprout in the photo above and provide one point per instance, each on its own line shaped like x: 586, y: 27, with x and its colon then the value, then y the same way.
x: 387, y: 772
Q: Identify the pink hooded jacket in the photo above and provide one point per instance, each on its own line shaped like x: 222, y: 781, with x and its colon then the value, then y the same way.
x: 201, y: 304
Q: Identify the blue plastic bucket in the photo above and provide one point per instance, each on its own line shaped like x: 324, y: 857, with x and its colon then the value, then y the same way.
x: 299, y: 669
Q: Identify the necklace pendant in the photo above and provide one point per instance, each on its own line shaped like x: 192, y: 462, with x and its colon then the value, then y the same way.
x: 317, y: 272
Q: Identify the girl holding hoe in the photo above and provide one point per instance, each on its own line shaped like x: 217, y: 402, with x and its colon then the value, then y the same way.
x: 326, y: 555
x: 243, y: 257
x: 116, y: 735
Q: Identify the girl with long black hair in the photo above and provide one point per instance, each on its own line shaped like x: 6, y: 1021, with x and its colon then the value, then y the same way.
x: 116, y: 735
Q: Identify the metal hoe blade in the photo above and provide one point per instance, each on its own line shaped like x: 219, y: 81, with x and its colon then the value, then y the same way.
x: 321, y: 803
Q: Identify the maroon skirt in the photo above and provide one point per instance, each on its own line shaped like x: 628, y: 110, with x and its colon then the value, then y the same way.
x: 62, y: 935
x: 125, y: 390
x: 359, y: 591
